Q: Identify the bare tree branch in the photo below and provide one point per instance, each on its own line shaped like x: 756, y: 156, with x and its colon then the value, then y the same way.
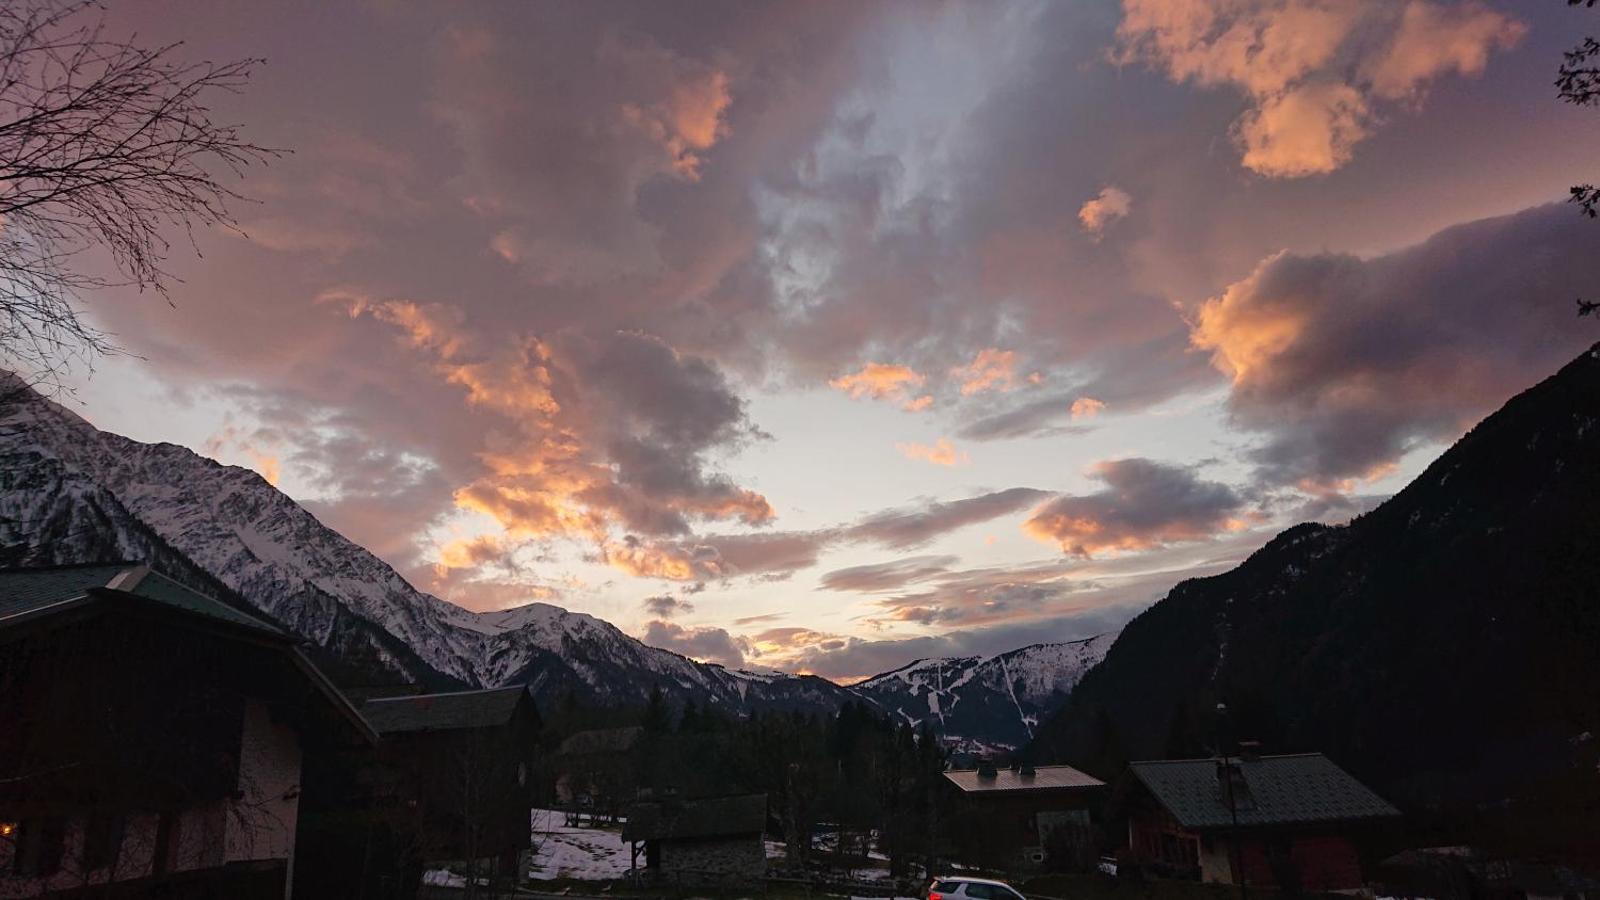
x: 104, y: 145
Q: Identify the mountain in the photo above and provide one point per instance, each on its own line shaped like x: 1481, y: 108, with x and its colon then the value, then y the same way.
x: 72, y: 493
x: 986, y: 702
x: 1443, y: 647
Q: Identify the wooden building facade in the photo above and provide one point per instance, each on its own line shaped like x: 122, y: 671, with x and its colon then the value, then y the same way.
x: 155, y: 738
x: 1293, y: 822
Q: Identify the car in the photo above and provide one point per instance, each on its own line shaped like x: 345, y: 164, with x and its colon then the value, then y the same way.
x: 962, y: 887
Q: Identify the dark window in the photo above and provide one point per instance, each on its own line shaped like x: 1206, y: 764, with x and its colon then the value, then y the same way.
x: 945, y: 887
x: 39, y: 843
x: 102, y: 841
x: 982, y: 892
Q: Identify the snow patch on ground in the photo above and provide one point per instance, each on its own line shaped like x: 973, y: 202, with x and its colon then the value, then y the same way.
x: 591, y: 854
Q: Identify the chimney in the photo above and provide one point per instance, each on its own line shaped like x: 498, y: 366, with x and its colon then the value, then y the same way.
x: 1027, y: 770
x: 1249, y: 751
x: 987, y: 771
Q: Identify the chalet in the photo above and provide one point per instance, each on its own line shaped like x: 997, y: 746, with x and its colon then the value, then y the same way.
x: 154, y: 738
x: 466, y: 761
x: 595, y: 769
x: 1296, y: 822
x: 1031, y: 815
x: 713, y: 840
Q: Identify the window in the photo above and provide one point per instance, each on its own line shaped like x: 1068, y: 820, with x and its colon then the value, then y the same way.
x: 102, y: 841
x: 39, y: 844
x: 984, y: 892
x: 945, y: 887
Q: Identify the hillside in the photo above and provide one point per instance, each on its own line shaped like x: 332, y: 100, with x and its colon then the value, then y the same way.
x: 72, y: 493
x: 1442, y: 647
x: 994, y: 701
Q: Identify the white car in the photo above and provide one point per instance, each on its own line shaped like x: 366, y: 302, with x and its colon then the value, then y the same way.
x: 960, y: 887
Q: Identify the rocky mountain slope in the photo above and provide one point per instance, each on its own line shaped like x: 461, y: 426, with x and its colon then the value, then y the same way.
x: 992, y: 701
x: 1442, y: 647
x: 71, y: 493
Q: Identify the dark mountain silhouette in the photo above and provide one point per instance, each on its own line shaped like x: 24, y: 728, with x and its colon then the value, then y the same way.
x: 1444, y: 647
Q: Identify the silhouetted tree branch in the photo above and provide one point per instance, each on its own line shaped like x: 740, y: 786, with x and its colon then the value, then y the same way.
x: 104, y: 145
x: 1578, y: 83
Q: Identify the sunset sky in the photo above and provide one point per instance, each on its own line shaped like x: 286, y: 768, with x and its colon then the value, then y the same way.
x: 823, y: 336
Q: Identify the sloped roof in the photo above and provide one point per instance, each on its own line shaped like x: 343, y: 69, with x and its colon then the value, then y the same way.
x: 703, y: 818
x: 1302, y: 788
x: 601, y: 740
x: 29, y: 592
x: 1044, y: 778
x: 443, y: 712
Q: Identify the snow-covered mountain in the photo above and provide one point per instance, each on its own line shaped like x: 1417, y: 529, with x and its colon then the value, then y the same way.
x: 72, y: 493
x: 987, y: 701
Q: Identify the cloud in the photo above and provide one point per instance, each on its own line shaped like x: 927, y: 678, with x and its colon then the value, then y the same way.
x: 1097, y: 213
x: 887, y: 575
x: 940, y: 453
x: 609, y: 432
x: 1086, y: 408
x: 778, y: 554
x: 1144, y: 504
x: 907, y: 527
x: 1313, y: 69
x: 882, y: 381
x: 1342, y: 364
x: 707, y: 644
x: 666, y: 606
x: 992, y: 369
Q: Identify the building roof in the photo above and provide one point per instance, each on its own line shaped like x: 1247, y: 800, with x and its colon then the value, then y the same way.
x: 443, y: 712
x: 703, y: 818
x: 601, y: 740
x: 30, y: 592
x: 1044, y: 778
x: 1302, y: 788
x: 35, y: 593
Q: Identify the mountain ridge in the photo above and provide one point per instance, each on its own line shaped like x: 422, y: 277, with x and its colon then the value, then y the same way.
x: 1441, y: 646
x: 74, y: 493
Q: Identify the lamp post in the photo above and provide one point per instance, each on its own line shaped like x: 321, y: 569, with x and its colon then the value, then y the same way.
x: 1235, y: 852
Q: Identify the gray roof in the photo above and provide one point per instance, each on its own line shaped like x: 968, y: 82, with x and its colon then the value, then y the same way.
x: 1303, y: 788
x: 1044, y: 778
x: 443, y: 712
x: 704, y: 818
x: 31, y: 592
x: 601, y: 740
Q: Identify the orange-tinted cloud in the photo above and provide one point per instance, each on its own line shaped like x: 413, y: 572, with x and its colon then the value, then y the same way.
x: 884, y: 381
x: 604, y: 435
x: 1086, y: 408
x: 1312, y: 68
x: 1343, y: 364
x: 1144, y: 504
x: 941, y: 453
x: 992, y: 369
x: 1097, y: 213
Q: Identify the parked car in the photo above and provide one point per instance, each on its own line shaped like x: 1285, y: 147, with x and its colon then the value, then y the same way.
x: 961, y: 887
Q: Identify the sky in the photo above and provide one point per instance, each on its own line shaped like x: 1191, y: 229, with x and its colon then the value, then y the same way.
x: 823, y: 336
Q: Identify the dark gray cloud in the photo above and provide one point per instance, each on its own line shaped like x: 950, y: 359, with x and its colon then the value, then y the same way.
x: 666, y: 606
x: 887, y: 575
x: 777, y: 554
x: 912, y: 526
x: 704, y: 643
x: 1144, y: 504
x: 1344, y: 364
